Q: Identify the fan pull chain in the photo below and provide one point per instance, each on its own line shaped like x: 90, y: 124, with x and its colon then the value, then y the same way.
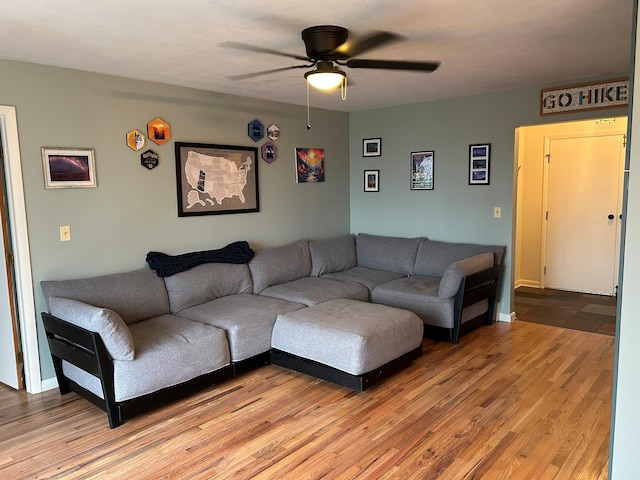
x: 308, y: 114
x: 343, y: 88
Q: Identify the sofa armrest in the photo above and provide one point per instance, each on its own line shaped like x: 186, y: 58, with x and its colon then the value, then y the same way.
x: 453, y: 275
x: 113, y: 331
x: 86, y: 350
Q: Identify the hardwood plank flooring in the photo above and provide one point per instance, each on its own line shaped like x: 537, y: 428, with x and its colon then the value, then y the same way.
x: 511, y: 401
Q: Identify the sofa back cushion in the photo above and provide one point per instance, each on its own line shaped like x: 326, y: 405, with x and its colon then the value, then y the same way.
x: 207, y: 282
x: 276, y: 265
x: 333, y: 255
x: 392, y: 254
x: 435, y: 257
x: 115, y: 335
x: 135, y: 295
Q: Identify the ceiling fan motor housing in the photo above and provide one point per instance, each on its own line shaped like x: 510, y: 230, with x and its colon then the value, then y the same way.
x: 320, y: 41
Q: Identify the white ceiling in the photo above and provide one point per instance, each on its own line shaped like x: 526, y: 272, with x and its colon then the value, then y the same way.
x: 484, y: 46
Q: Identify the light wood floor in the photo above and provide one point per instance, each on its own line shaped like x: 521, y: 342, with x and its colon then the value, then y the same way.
x: 511, y: 401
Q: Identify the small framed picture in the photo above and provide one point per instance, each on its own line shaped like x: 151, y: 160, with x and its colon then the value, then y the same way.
x: 69, y: 167
x: 422, y: 170
x: 479, y: 163
x: 372, y: 180
x: 371, y: 147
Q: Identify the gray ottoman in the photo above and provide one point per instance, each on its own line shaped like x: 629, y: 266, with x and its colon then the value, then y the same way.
x: 352, y: 343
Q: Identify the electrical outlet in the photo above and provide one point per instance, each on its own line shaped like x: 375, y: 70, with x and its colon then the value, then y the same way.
x: 65, y: 233
x: 497, y: 212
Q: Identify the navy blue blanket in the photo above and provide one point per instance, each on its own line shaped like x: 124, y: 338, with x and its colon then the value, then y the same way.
x: 167, y: 265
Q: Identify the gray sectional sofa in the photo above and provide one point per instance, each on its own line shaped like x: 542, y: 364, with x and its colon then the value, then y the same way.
x: 131, y: 341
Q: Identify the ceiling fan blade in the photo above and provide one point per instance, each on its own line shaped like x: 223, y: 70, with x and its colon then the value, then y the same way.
x: 392, y: 64
x: 358, y: 46
x: 266, y: 72
x: 253, y: 48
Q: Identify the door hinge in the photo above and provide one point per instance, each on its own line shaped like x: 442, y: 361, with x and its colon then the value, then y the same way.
x: 10, y: 258
x: 19, y: 358
x: 544, y: 270
x: 624, y: 141
x: 548, y: 155
x: 546, y: 215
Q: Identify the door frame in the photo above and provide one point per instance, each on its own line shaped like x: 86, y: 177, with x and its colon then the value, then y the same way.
x: 16, y: 210
x: 545, y: 195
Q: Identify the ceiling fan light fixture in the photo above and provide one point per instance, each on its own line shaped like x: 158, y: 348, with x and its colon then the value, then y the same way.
x: 325, y: 78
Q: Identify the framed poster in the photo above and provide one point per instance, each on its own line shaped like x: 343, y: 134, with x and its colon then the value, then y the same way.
x: 422, y: 170
x: 69, y: 167
x: 479, y: 158
x: 309, y: 165
x: 371, y: 147
x: 216, y: 179
x: 372, y: 180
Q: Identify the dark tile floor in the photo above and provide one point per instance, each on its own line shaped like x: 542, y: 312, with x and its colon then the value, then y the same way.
x: 578, y: 311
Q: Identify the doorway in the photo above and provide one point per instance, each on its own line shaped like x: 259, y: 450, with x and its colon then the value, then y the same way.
x: 10, y: 351
x: 531, y: 242
x: 16, y: 209
x: 583, y: 186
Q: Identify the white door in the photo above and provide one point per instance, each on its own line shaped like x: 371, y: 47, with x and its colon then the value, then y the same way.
x: 584, y: 203
x: 10, y: 368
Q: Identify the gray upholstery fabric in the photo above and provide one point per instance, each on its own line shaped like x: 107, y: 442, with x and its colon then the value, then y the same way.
x: 452, y: 276
x: 314, y: 290
x: 392, y: 254
x: 247, y: 320
x: 169, y: 350
x: 272, y: 266
x: 82, y: 378
x: 334, y: 255
x: 207, y: 282
x: 418, y: 294
x: 135, y: 295
x: 434, y: 257
x: 114, y: 333
x: 368, y: 277
x: 355, y: 337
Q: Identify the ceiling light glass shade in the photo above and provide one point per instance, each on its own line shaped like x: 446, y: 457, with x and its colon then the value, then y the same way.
x: 325, y: 80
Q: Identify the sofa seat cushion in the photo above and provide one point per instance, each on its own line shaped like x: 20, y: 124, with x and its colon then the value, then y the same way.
x: 314, y: 290
x: 247, y: 320
x: 369, y: 277
x: 351, y: 336
x: 418, y: 294
x: 169, y: 350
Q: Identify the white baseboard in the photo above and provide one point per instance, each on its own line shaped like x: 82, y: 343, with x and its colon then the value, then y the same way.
x: 507, y: 317
x: 526, y: 283
x: 49, y: 384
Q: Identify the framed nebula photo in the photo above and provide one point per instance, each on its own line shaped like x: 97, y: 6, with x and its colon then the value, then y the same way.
x: 69, y: 167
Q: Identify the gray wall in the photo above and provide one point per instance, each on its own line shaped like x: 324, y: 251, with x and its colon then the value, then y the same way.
x: 453, y: 210
x: 624, y: 462
x: 134, y: 210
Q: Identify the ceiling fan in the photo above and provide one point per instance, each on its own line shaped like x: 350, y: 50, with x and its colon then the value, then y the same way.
x: 328, y: 48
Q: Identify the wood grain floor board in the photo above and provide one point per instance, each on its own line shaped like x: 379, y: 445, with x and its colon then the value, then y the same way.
x: 513, y: 401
